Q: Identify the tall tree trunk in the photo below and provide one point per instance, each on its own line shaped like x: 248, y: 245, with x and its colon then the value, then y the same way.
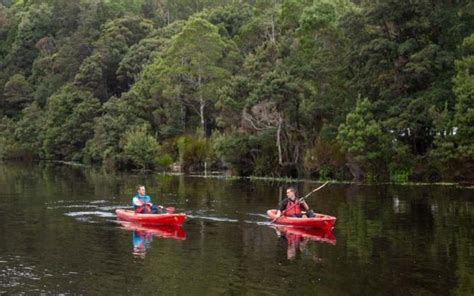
x: 202, y: 109
x: 184, y: 116
x: 278, y: 141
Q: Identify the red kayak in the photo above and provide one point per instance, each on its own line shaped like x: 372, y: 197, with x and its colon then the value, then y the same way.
x: 163, y: 219
x: 320, y: 221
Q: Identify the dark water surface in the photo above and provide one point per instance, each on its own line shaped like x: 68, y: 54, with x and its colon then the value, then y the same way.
x: 59, y: 234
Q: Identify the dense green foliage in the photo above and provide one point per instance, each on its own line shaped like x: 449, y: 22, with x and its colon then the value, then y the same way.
x: 270, y: 88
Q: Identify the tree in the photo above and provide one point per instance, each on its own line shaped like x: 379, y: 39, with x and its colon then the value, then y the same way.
x: 230, y: 18
x: 454, y: 141
x: 140, y: 146
x: 8, y: 146
x: 98, y: 72
x: 399, y: 59
x: 4, y: 28
x: 274, y: 104
x: 193, y: 62
x: 137, y: 57
x: 34, y: 23
x: 464, y: 109
x: 18, y: 93
x: 69, y: 123
x: 363, y: 140
x: 106, y: 144
x: 29, y: 130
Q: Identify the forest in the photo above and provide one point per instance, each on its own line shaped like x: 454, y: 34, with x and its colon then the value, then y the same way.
x: 324, y: 89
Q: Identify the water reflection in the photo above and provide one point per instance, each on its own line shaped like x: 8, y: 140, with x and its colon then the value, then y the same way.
x: 143, y: 234
x: 391, y: 240
x: 298, y: 238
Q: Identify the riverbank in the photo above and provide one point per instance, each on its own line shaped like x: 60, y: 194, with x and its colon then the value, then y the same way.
x: 224, y: 175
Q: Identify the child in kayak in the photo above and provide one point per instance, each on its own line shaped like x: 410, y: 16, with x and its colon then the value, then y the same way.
x: 293, y: 207
x: 142, y: 202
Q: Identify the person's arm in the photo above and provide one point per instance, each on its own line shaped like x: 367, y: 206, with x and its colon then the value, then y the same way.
x: 137, y: 202
x: 304, y: 204
x: 148, y: 201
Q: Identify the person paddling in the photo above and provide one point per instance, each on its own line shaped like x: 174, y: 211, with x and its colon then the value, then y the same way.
x: 293, y: 207
x: 142, y: 202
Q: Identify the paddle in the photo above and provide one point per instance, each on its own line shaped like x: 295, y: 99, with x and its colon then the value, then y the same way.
x: 168, y: 210
x: 299, y: 200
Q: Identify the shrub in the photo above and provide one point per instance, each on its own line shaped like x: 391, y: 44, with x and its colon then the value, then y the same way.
x: 193, y: 152
x: 140, y: 146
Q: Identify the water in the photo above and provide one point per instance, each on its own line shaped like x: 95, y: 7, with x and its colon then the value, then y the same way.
x: 59, y: 235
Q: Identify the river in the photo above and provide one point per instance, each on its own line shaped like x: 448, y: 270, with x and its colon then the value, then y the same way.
x: 59, y: 235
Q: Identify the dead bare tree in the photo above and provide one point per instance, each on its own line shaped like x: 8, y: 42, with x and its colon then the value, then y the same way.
x: 265, y: 116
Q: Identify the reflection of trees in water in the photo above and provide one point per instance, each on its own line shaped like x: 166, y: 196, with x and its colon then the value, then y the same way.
x: 409, y: 232
x: 408, y: 239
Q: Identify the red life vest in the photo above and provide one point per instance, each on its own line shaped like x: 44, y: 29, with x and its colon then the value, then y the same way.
x: 292, y: 208
x: 140, y: 209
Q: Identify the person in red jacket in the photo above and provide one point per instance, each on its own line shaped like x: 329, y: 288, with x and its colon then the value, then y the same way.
x: 293, y: 207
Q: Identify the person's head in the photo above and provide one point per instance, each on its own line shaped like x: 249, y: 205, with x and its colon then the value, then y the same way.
x: 291, y: 193
x: 141, y: 189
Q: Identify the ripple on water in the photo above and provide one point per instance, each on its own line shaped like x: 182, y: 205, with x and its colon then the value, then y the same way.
x: 113, y: 207
x: 218, y: 219
x: 88, y: 211
x: 17, y: 275
x: 100, y: 201
x: 91, y: 213
x: 71, y: 206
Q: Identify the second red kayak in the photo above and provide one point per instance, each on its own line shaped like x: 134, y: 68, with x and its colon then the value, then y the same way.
x: 320, y: 221
x: 163, y: 219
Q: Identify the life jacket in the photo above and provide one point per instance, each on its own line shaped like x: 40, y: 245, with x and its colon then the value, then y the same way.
x: 143, y: 209
x: 144, y: 206
x: 292, y: 207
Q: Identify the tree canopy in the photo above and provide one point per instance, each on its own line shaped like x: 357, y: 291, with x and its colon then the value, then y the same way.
x: 364, y: 90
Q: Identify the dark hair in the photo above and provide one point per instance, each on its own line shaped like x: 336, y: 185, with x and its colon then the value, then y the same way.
x: 138, y: 187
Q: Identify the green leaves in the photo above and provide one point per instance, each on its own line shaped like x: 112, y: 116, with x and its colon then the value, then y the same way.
x: 464, y: 109
x: 17, y: 92
x: 276, y: 81
x: 98, y: 72
x: 362, y: 138
x: 69, y: 123
x: 140, y: 146
x: 192, y: 67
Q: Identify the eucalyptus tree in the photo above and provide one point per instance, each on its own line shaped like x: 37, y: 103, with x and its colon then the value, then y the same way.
x: 194, y: 62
